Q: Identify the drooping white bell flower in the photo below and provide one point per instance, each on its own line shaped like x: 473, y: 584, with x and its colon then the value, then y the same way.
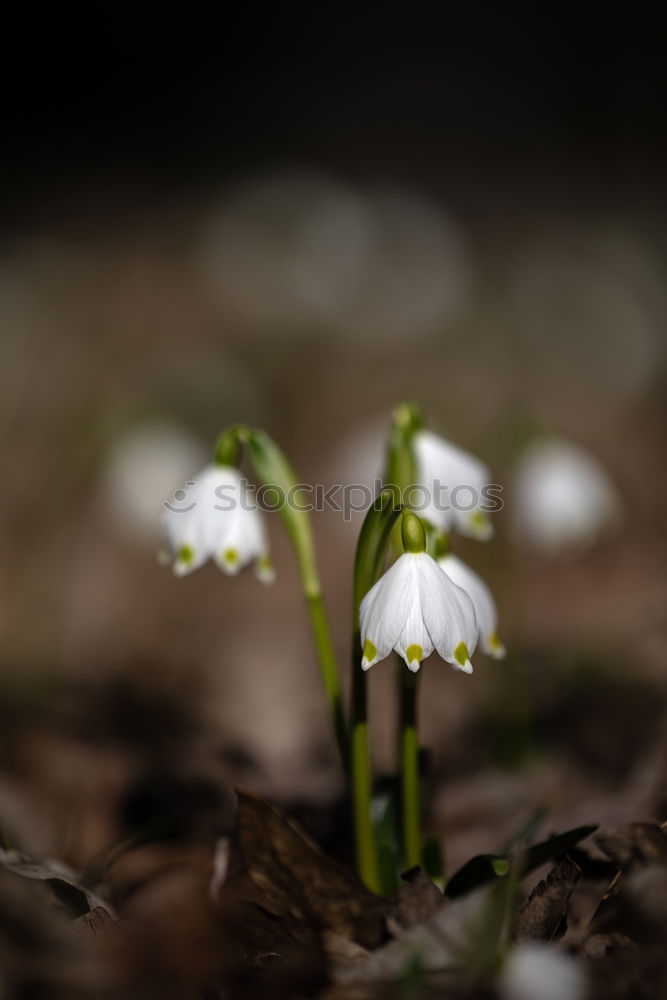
x: 482, y: 599
x: 453, y: 481
x: 415, y: 608
x: 216, y: 517
x: 564, y: 499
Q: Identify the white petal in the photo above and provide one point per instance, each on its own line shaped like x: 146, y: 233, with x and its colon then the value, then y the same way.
x: 473, y: 524
x: 240, y: 540
x: 179, y: 520
x: 184, y: 542
x: 414, y: 643
x: 219, y: 505
x: 454, y: 480
x: 440, y: 459
x: 187, y: 521
x: 264, y: 570
x: 216, y: 518
x: 384, y: 610
x: 482, y: 598
x: 231, y: 524
x: 449, y: 614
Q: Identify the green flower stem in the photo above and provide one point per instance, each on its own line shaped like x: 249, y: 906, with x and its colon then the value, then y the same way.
x: 402, y: 473
x: 360, y: 778
x: 275, y: 471
x: 369, y: 561
x: 401, y: 466
x: 329, y: 669
x: 409, y: 754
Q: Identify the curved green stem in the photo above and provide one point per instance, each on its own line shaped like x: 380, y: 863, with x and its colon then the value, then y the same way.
x: 329, y: 669
x: 360, y: 778
x: 275, y: 471
x: 402, y: 472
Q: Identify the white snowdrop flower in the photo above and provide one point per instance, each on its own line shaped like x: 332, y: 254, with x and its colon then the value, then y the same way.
x: 415, y: 608
x: 482, y: 599
x: 563, y: 498
x: 216, y: 517
x: 453, y: 481
x: 539, y: 970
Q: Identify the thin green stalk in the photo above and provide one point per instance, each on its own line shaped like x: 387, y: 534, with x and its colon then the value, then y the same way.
x: 360, y: 775
x: 329, y: 669
x: 274, y: 469
x: 371, y: 550
x: 402, y: 473
x: 409, y: 754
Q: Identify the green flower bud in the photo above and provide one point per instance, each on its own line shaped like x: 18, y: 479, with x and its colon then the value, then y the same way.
x: 413, y: 535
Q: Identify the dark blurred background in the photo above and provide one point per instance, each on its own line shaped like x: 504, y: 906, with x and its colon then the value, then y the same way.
x: 206, y: 222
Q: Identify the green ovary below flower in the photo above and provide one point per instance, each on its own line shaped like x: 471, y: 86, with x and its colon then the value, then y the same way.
x: 413, y: 609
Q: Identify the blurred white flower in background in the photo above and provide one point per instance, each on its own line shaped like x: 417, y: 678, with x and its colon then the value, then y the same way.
x: 295, y: 250
x: 563, y: 498
x: 144, y: 467
x: 541, y: 972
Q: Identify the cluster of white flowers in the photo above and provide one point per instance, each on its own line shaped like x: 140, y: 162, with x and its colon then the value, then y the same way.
x: 214, y: 518
x: 420, y: 605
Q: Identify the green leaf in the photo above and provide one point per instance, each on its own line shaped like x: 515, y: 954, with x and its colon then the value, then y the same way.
x: 555, y: 845
x: 486, y: 868
x: 432, y: 859
x: 389, y: 867
x: 386, y: 837
x: 372, y: 545
x: 478, y: 871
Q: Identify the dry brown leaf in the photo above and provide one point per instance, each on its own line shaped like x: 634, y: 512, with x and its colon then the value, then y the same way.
x: 96, y: 922
x: 417, y: 898
x: 298, y: 879
x: 543, y: 916
x: 68, y: 891
x: 636, y: 843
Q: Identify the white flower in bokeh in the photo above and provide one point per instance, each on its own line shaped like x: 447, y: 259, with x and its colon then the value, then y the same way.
x: 564, y: 499
x: 415, y: 608
x: 216, y: 517
x: 145, y: 464
x: 454, y: 482
x: 482, y: 599
x: 541, y: 971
